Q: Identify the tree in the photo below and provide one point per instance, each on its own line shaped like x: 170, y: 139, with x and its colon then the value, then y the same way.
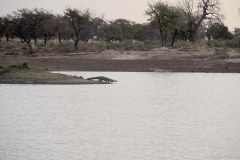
x: 2, y: 28
x: 25, y: 23
x: 182, y: 30
x: 218, y: 31
x: 204, y: 10
x: 46, y: 30
x: 61, y: 27
x: 126, y: 26
x: 110, y: 32
x: 163, y: 17
x: 236, y: 32
x: 82, y: 24
x: 144, y: 32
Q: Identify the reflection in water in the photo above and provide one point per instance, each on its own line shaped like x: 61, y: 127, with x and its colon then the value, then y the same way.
x: 142, y: 116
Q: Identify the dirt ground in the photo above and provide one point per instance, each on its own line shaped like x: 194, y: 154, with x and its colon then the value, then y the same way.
x: 154, y: 60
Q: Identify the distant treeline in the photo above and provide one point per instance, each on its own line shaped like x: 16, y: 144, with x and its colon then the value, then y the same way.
x: 166, y: 24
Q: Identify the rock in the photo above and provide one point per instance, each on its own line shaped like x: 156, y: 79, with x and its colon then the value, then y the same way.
x: 235, y: 56
x: 1, y: 71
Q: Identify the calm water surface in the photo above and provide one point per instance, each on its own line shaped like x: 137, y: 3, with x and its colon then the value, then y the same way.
x: 144, y: 116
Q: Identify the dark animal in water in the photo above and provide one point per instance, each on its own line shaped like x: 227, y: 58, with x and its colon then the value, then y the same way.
x: 102, y: 79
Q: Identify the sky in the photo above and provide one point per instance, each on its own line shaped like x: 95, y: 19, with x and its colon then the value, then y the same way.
x: 113, y: 9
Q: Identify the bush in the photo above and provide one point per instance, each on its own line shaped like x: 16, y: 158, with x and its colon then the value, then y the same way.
x: 221, y: 51
x: 224, y: 43
x: 25, y: 65
x: 91, y: 46
x: 5, y: 70
x: 24, y: 46
x: 19, y: 66
x: 9, y: 46
x: 130, y: 45
x: 40, y: 45
x: 150, y: 44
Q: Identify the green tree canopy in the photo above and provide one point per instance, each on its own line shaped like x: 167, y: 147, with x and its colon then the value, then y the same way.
x: 110, y: 32
x: 82, y: 24
x: 218, y: 31
x: 126, y: 26
x: 2, y: 28
x: 163, y: 17
x: 25, y: 23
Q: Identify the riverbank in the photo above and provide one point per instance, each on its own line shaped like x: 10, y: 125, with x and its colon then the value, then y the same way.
x: 38, y: 76
x: 155, y: 60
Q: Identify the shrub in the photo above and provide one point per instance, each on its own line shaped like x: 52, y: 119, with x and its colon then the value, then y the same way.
x: 24, y: 47
x: 9, y: 46
x: 127, y: 45
x: 5, y: 70
x: 150, y: 44
x: 13, y: 66
x: 40, y: 45
x: 25, y: 65
x: 19, y: 66
x: 221, y: 51
x: 91, y: 46
x: 132, y: 45
x: 224, y: 43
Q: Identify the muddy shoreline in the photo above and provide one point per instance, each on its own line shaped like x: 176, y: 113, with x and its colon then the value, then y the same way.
x: 38, y: 76
x: 155, y: 60
x: 78, y: 63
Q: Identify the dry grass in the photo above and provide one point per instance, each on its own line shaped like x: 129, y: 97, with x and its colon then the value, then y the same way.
x: 17, y: 48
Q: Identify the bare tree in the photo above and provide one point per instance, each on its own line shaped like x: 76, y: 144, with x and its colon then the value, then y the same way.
x: 196, y: 13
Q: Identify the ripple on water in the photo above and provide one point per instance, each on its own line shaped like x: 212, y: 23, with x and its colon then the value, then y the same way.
x: 142, y: 116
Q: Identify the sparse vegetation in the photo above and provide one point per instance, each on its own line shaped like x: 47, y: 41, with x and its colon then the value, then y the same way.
x: 4, y: 69
x: 131, y: 45
x: 221, y: 51
x: 224, y: 43
x: 14, y: 66
x: 21, y: 74
x: 44, y: 32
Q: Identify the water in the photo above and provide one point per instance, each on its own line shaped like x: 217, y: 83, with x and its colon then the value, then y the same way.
x: 144, y: 116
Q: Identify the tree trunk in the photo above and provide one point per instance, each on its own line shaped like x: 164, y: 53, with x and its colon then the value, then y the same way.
x: 162, y: 37
x: 76, y: 46
x: 165, y: 39
x: 45, y: 38
x: 194, y: 34
x: 173, y: 38
x: 35, y: 41
x: 59, y: 38
x: 30, y: 47
x: 7, y: 38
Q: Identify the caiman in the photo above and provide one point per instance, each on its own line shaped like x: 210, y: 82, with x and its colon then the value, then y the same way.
x: 102, y: 79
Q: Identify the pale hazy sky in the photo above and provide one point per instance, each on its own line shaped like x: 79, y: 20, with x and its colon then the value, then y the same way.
x: 112, y: 9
